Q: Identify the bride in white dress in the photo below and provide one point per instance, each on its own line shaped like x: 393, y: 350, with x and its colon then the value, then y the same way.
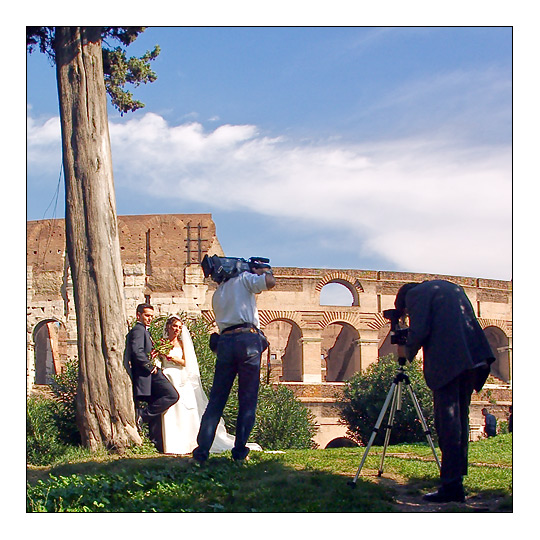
x: 181, y: 422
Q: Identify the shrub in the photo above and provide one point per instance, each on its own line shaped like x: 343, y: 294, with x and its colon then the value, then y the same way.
x: 43, y: 444
x: 64, y: 388
x: 364, y: 397
x: 51, y: 428
x: 282, y: 421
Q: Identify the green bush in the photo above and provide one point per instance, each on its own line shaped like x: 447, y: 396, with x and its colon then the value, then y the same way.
x: 43, y: 444
x: 282, y: 421
x: 502, y: 427
x: 64, y: 388
x: 364, y: 397
x: 51, y: 428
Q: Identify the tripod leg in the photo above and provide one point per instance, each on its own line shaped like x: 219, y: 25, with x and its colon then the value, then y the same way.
x: 396, y: 405
x: 427, y: 431
x: 389, y: 396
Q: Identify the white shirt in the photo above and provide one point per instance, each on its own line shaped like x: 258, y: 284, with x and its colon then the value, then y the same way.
x: 234, y: 300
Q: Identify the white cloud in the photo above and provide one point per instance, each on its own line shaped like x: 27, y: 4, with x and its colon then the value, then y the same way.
x: 43, y: 143
x: 423, y: 204
x: 426, y: 205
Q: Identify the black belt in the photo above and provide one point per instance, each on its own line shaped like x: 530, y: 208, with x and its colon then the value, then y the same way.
x: 239, y: 328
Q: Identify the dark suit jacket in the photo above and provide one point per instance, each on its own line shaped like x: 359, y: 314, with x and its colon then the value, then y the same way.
x: 138, y: 345
x: 442, y: 321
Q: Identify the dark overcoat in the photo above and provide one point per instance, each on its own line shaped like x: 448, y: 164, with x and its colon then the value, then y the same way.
x: 138, y: 346
x: 442, y: 321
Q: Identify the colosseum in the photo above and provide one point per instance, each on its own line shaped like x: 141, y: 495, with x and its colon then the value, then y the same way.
x: 314, y: 347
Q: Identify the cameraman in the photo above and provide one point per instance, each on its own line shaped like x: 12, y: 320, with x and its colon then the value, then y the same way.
x: 457, y: 357
x: 239, y: 351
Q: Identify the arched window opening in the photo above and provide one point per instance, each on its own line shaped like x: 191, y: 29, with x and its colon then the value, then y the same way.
x: 48, y: 342
x: 337, y: 294
x: 340, y: 352
x: 284, y: 353
x: 499, y: 344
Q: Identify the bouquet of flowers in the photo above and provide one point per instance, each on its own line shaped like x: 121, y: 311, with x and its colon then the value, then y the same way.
x: 161, y: 348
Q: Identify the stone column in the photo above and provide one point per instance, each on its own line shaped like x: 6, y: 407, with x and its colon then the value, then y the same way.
x: 311, y: 354
x: 369, y: 348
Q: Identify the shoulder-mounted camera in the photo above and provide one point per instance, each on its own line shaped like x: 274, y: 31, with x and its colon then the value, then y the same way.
x: 221, y: 269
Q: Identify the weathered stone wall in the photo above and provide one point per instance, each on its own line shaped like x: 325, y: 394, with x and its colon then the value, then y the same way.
x: 160, y: 258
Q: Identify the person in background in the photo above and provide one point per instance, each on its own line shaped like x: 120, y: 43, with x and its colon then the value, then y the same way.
x: 457, y: 357
x: 490, y: 423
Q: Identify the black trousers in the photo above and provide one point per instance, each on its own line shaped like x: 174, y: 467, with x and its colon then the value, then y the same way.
x: 163, y: 395
x: 237, y: 354
x: 451, y: 410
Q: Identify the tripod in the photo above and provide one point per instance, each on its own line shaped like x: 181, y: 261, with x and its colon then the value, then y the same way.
x: 395, y: 394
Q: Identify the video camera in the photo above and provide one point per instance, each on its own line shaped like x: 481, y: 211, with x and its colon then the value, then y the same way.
x: 398, y: 335
x: 224, y: 268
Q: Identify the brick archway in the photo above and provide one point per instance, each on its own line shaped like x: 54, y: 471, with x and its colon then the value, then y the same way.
x: 49, y: 341
x: 500, y: 345
x: 339, y: 348
x: 284, y: 356
x: 342, y: 278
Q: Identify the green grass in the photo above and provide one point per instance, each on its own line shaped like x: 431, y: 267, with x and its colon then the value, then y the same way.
x: 294, y: 481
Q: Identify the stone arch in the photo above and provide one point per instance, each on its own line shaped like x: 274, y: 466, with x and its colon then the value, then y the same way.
x: 338, y: 294
x: 341, y: 442
x: 340, y: 351
x: 49, y: 343
x: 347, y: 280
x: 266, y: 316
x: 284, y: 356
x: 500, y: 345
x: 331, y: 317
x: 504, y: 326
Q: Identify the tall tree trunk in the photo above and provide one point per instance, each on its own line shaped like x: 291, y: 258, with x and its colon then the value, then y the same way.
x: 105, y: 410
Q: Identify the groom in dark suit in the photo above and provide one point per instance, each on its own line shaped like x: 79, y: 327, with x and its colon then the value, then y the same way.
x: 149, y: 383
x: 457, y: 357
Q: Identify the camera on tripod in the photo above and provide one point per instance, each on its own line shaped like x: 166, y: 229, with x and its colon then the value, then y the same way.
x: 398, y: 335
x: 224, y: 268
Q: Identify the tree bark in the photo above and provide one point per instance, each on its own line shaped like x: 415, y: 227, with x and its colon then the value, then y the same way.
x: 105, y: 409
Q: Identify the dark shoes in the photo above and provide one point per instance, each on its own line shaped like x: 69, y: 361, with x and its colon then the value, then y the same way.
x: 447, y: 493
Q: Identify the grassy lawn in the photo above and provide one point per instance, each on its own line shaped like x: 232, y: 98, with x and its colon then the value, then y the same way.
x: 293, y: 481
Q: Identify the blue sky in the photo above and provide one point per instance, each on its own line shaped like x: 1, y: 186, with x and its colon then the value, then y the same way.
x: 382, y: 148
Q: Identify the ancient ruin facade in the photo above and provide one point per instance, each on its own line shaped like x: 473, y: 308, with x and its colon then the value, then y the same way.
x: 313, y: 349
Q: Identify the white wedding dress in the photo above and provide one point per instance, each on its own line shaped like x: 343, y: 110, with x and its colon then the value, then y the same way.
x: 181, y: 422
